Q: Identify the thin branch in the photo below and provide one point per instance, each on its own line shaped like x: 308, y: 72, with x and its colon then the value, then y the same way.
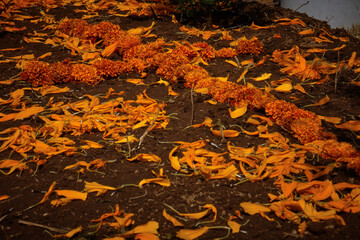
x: 192, y: 105
x: 148, y: 129
x: 307, y: 2
x: 58, y: 230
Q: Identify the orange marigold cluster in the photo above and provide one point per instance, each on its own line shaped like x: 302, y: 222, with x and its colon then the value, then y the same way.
x: 40, y: 73
x: 168, y: 63
x: 73, y: 27
x: 145, y: 51
x: 162, y: 8
x: 284, y: 113
x: 99, y: 31
x: 186, y: 50
x: 205, y: 51
x: 226, y: 52
x: 106, y: 31
x: 252, y: 46
x: 306, y: 129
x: 37, y: 73
x: 335, y: 150
x: 108, y: 68
x: 61, y: 71
x: 136, y: 65
x: 193, y: 75
x: 85, y: 74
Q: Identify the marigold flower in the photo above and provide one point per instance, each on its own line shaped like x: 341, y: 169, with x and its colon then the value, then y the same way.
x: 73, y: 27
x: 170, y: 62
x: 205, y: 51
x: 192, y: 75
x: 334, y: 149
x: 108, y: 68
x: 37, y: 73
x: 135, y: 65
x: 61, y: 71
x: 306, y: 129
x: 185, y: 50
x: 125, y: 40
x: 144, y: 51
x: 226, y: 52
x: 85, y: 73
x: 283, y: 113
x: 252, y: 46
x: 98, y: 31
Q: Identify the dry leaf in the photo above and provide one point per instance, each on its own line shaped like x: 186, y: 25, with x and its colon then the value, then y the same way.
x: 161, y: 181
x: 286, y: 87
x: 235, y: 227
x: 149, y: 227
x: 334, y: 120
x: 173, y: 220
x: 145, y: 157
x: 299, y: 88
x: 96, y: 187
x: 109, y: 49
x: 135, y: 81
x: 238, y: 112
x: 353, y: 125
x: 189, y: 234
x: 321, y: 102
x: 47, y: 195
x: 253, y: 208
x: 70, y: 234
x: 263, y: 77
x: 3, y: 197
x: 171, y: 92
x: 307, y: 32
x: 225, y: 133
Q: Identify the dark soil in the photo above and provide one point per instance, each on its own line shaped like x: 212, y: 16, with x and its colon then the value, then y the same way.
x: 186, y: 193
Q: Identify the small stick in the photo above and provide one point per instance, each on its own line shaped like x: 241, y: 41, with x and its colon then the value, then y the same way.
x: 307, y: 2
x: 58, y: 230
x: 148, y: 129
x: 192, y: 105
x: 337, y: 71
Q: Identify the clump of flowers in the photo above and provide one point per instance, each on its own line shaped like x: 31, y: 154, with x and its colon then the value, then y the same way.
x: 168, y: 63
x: 252, y: 46
x: 205, y: 51
x: 185, y: 50
x: 108, y: 68
x: 61, y: 71
x: 306, y: 129
x: 192, y: 75
x: 85, y: 73
x: 135, y: 65
x: 294, y: 63
x: 124, y: 40
x: 73, y: 27
x: 226, y: 53
x: 37, y: 73
x: 335, y: 150
x: 283, y: 113
x: 144, y: 51
x: 98, y: 31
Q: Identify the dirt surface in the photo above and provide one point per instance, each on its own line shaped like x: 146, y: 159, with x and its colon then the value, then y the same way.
x: 189, y: 190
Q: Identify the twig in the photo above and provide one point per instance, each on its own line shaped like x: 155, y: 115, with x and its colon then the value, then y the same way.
x: 143, y: 195
x: 192, y: 105
x: 148, y: 129
x: 128, y: 143
x: 307, y: 2
x: 337, y: 73
x: 58, y: 230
